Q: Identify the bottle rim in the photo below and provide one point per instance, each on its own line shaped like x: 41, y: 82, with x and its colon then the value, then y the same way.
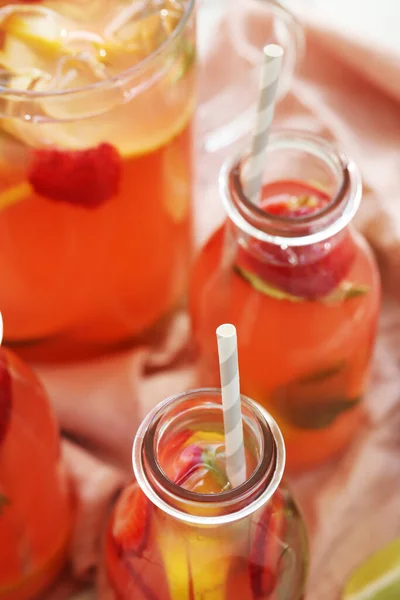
x: 270, y: 468
x: 286, y: 231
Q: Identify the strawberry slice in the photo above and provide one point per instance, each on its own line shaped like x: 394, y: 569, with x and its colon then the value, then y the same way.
x: 262, y: 578
x: 173, y: 445
x: 86, y: 178
x: 179, y: 456
x: 132, y: 515
x: 189, y: 459
x: 308, y: 272
x: 131, y: 521
x: 266, y: 551
x: 188, y: 451
x: 5, y: 398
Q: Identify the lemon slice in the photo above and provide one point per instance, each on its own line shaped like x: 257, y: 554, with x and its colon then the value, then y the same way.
x: 197, y: 562
x: 177, y: 204
x: 46, y: 33
x: 15, y: 194
x: 38, y: 42
x: 378, y: 578
x: 175, y: 556
x: 206, y: 436
x: 40, y: 32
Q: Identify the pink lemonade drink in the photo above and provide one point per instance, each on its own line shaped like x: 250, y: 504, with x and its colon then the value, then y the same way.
x: 96, y: 103
x: 35, y: 500
x: 183, y: 533
x: 303, y: 290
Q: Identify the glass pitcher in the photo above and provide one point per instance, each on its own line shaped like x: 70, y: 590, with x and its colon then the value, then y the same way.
x: 96, y: 106
x: 96, y: 109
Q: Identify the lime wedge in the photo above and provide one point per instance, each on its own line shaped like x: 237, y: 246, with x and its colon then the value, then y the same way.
x: 264, y: 288
x: 346, y: 290
x: 378, y: 578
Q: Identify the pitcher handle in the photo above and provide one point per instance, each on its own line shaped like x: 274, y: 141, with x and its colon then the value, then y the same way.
x: 288, y: 31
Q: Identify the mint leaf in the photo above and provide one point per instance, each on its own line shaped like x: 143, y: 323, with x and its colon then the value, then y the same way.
x: 346, y: 290
x: 4, y: 501
x: 210, y: 462
x: 312, y: 413
x: 264, y: 288
x: 314, y: 400
x: 321, y: 375
x: 186, y: 52
x: 321, y: 414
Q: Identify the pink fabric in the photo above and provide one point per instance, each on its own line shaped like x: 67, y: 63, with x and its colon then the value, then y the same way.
x: 351, y: 93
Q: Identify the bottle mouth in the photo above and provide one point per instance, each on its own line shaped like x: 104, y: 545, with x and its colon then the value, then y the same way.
x: 218, y: 508
x: 339, y: 175
x: 109, y: 82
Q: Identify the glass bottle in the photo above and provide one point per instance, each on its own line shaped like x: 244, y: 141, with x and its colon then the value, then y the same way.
x: 183, y: 532
x: 35, y: 499
x: 303, y: 289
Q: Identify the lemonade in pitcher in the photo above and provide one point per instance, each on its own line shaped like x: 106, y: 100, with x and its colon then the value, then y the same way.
x: 182, y: 532
x: 96, y: 102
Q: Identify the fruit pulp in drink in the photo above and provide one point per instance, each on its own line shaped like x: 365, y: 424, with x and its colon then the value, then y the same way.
x: 95, y: 186
x: 150, y: 555
x: 306, y: 319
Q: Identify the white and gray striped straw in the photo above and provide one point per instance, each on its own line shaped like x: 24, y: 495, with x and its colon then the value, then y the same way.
x: 270, y: 73
x: 231, y: 404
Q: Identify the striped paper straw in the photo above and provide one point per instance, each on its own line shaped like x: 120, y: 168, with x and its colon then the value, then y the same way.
x: 231, y: 404
x: 265, y: 112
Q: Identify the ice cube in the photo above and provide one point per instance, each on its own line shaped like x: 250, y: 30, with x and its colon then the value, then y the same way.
x: 85, y: 69
x: 83, y: 11
x: 139, y: 28
x: 32, y: 38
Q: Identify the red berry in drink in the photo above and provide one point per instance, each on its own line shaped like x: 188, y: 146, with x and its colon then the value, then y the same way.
x: 132, y: 519
x: 189, y: 459
x: 86, y: 178
x: 267, y: 548
x: 262, y: 578
x: 310, y: 271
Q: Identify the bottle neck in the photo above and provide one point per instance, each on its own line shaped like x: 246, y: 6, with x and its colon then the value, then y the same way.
x: 199, y: 410
x: 301, y: 157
